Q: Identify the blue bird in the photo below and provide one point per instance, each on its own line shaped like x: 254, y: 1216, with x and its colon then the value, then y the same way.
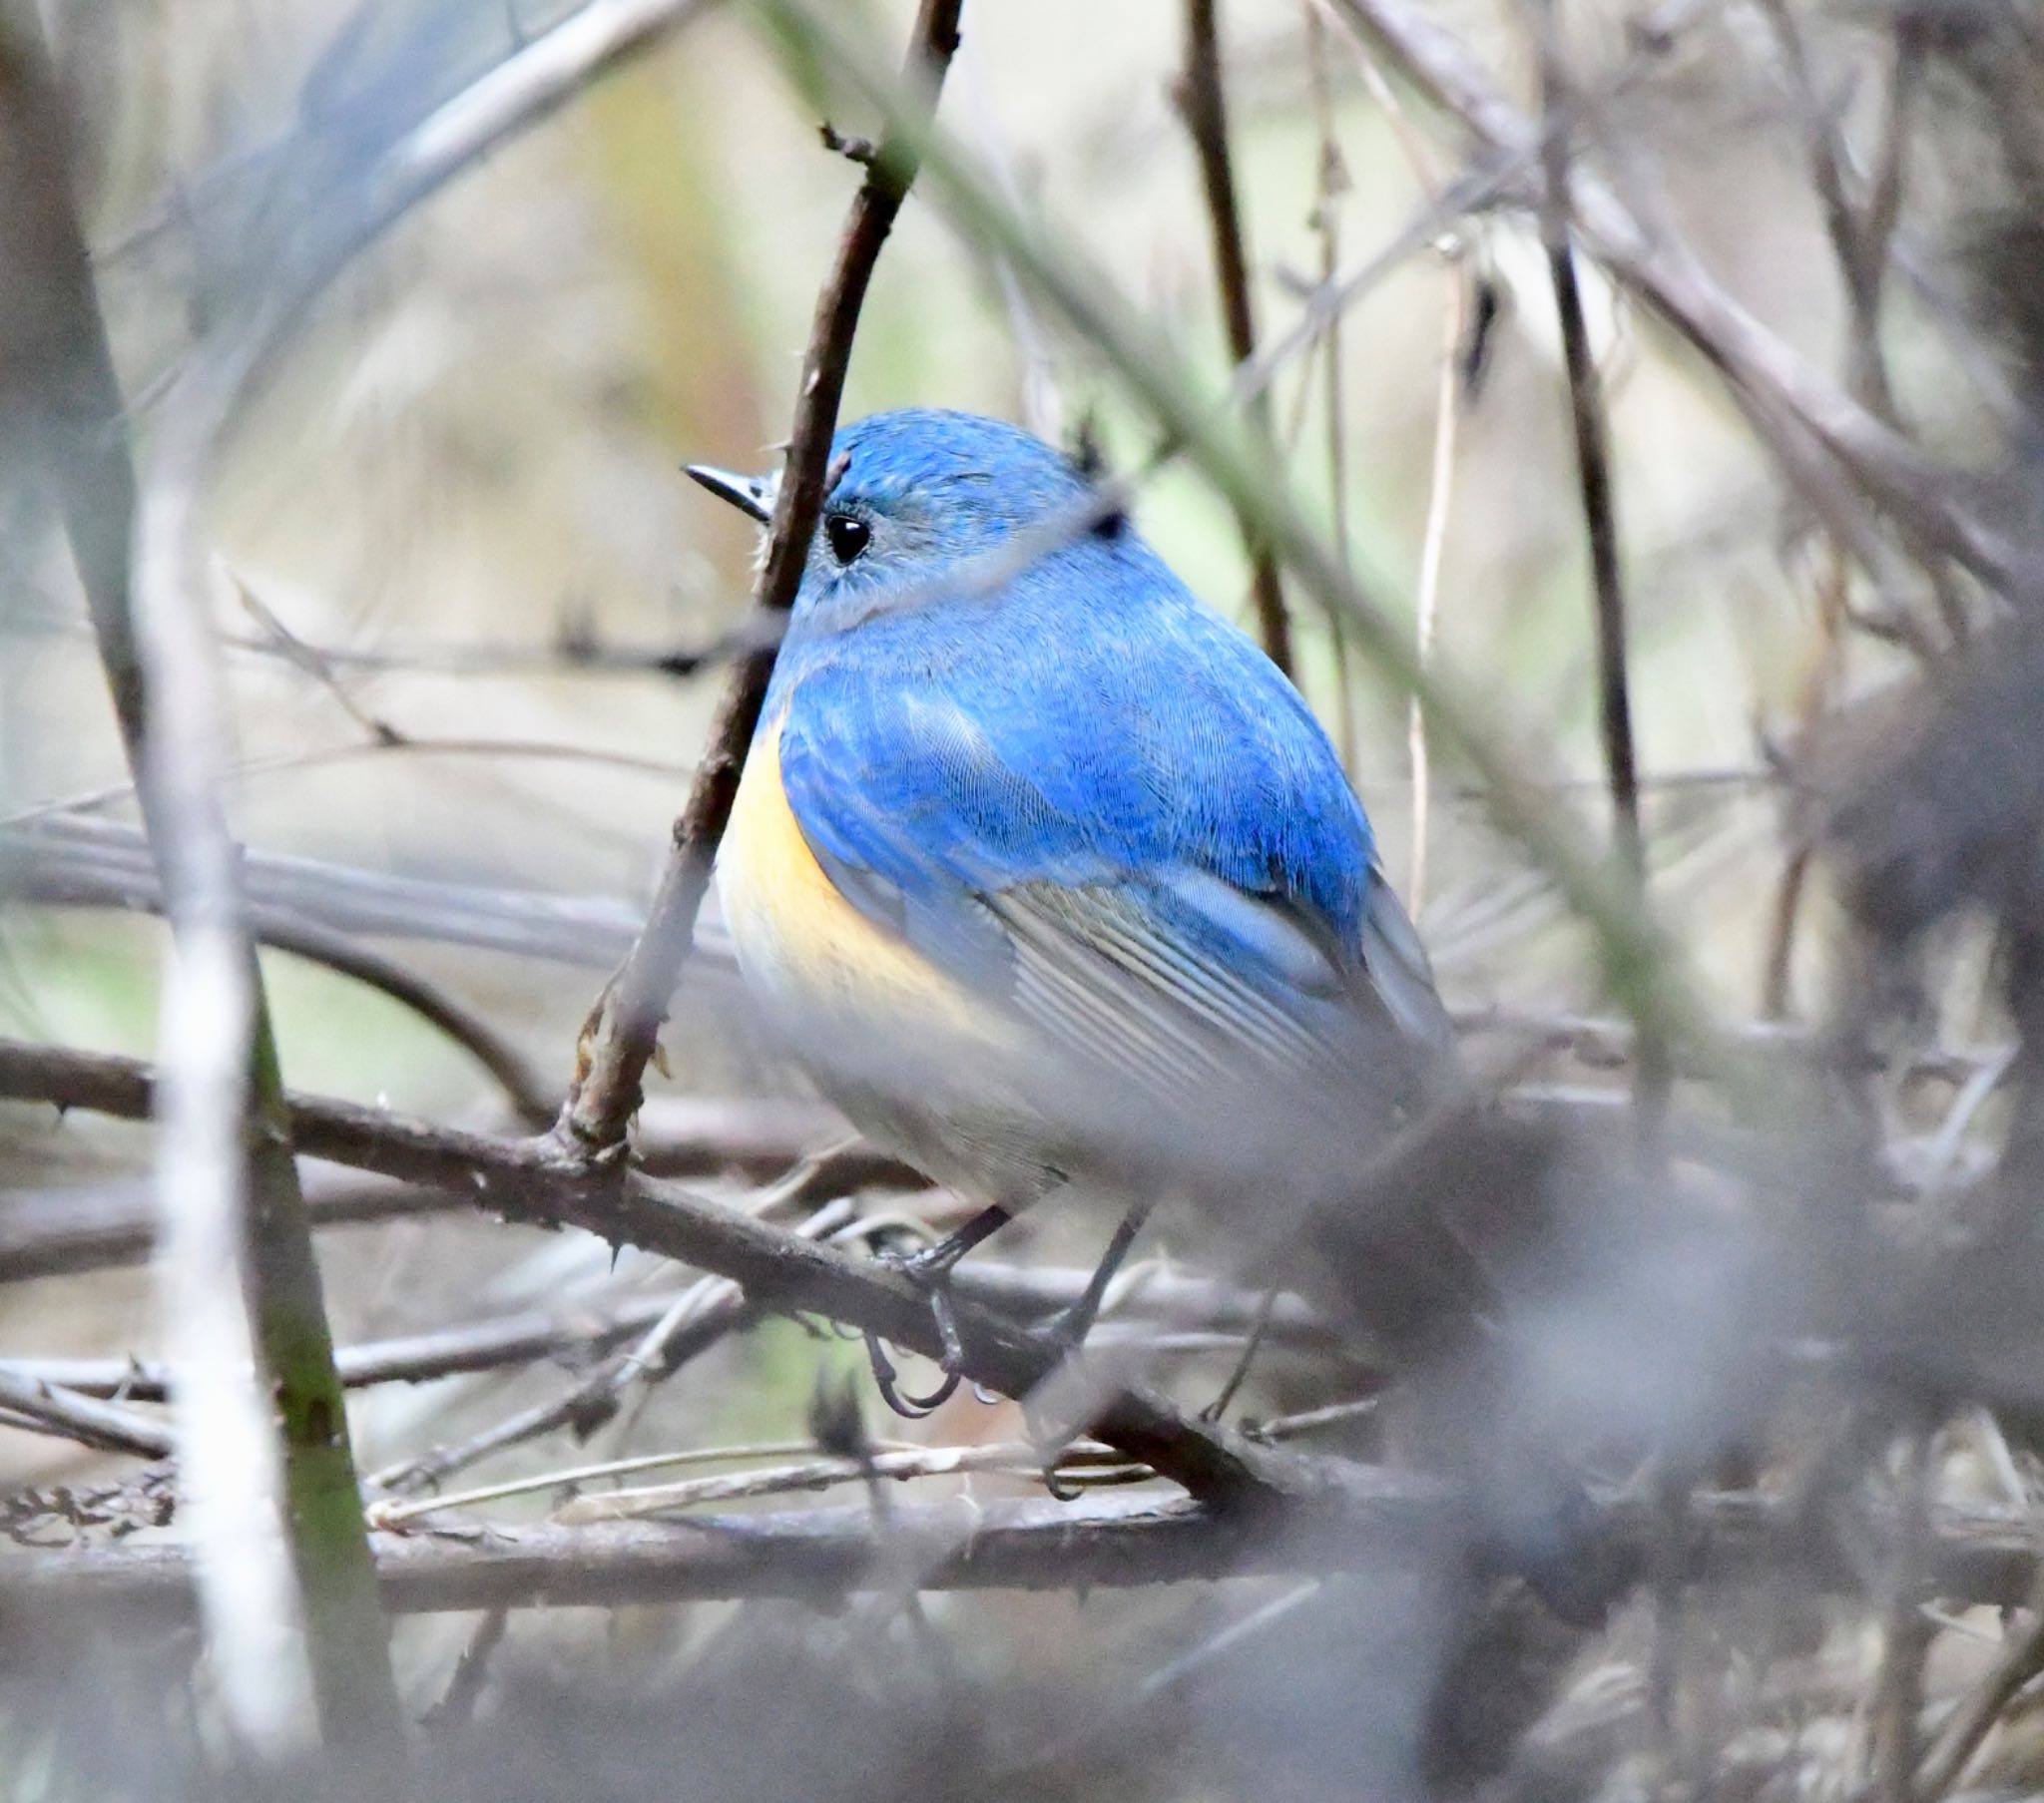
x: 1042, y: 871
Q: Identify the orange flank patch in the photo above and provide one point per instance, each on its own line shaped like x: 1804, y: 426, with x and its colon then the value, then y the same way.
x: 798, y: 938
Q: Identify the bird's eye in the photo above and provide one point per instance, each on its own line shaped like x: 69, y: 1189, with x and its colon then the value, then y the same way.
x: 848, y: 536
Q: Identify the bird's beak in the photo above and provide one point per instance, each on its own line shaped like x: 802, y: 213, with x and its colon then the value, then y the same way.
x: 749, y: 494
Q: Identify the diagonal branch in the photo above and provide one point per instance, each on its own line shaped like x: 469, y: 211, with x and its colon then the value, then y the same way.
x: 624, y: 1026
x: 532, y: 1181
x: 1796, y: 408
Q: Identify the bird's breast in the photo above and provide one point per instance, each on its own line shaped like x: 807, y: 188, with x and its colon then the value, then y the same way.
x: 814, y: 956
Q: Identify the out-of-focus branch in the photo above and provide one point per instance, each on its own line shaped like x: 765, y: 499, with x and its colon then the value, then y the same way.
x: 1593, y: 461
x: 624, y: 1026
x: 1160, y: 1302
x: 232, y: 1214
x: 1100, y: 1541
x: 467, y: 1028
x: 61, y: 1231
x: 1796, y: 408
x: 1203, y: 102
x: 86, y: 1419
x: 100, y: 863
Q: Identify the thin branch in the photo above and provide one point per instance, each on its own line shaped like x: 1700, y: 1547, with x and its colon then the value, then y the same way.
x: 293, y: 1617
x: 624, y: 1024
x: 100, y: 863
x: 1600, y: 522
x: 1906, y: 1637
x: 693, y: 1322
x: 1104, y: 1539
x: 1080, y: 1462
x: 346, y: 957
x: 66, y: 1232
x: 532, y: 1181
x: 1202, y: 103
x: 63, y: 1232
x: 1794, y: 408
x: 1432, y: 550
x: 96, y: 1424
x: 1159, y: 1303
x: 1593, y: 464
x: 2021, y: 1659
x: 373, y: 746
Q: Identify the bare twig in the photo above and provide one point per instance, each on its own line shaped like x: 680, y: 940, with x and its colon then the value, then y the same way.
x: 1794, y: 408
x: 100, y: 863
x: 471, y: 1671
x: 1016, y: 1459
x: 1593, y: 464
x: 371, y: 746
x: 1898, y: 1687
x: 1432, y: 549
x: 432, y: 1003
x: 1159, y: 1305
x: 1600, y: 521
x: 84, y: 1418
x: 530, y: 1180
x: 1203, y: 101
x: 624, y: 1024
x: 2020, y: 1660
x: 1101, y: 1540
x: 66, y: 1232
x: 690, y: 1323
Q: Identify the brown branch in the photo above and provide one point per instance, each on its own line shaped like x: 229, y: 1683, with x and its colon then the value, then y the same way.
x: 1202, y: 103
x: 530, y: 1180
x: 624, y: 1026
x: 63, y: 1232
x: 1600, y: 518
x: 346, y: 957
x: 1103, y: 1540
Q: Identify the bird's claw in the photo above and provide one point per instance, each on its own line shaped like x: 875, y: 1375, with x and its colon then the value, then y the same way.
x: 932, y: 1276
x: 887, y: 1380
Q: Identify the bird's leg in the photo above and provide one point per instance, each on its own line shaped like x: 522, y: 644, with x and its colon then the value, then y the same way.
x: 1067, y: 1330
x: 933, y: 1264
x: 930, y: 1270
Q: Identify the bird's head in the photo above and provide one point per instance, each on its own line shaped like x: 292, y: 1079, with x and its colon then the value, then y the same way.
x: 920, y: 507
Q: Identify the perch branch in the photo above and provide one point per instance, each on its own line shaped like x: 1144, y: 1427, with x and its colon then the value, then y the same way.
x: 532, y: 1181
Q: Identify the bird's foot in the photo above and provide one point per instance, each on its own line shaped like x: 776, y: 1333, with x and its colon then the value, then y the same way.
x: 930, y: 1271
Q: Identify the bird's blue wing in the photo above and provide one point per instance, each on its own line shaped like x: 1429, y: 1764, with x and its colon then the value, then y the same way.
x: 1146, y: 850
